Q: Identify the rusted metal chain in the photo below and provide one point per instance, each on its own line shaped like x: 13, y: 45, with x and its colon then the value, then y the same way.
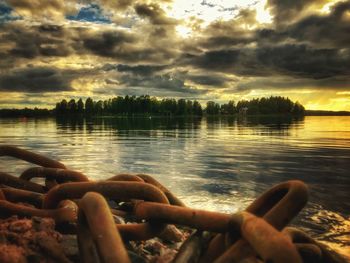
x: 95, y: 220
x: 195, y: 218
x: 13, y: 181
x: 270, y: 244
x: 193, y: 247
x: 9, y: 150
x: 171, y: 197
x: 17, y: 195
x: 121, y: 191
x: 281, y: 203
x: 277, y: 206
x: 150, y: 180
x: 53, y: 176
x: 66, y: 212
x: 215, y: 249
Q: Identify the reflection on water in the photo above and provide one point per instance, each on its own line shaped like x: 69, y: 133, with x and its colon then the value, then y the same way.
x: 218, y: 164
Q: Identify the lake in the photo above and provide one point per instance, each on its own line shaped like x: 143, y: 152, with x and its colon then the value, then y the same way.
x: 219, y: 164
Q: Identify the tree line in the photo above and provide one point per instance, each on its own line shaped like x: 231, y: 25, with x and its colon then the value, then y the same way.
x: 141, y: 105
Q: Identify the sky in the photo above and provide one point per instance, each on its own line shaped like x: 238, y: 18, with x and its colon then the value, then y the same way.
x: 202, y: 50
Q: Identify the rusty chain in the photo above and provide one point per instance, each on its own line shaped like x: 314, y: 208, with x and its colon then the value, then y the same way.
x: 258, y: 234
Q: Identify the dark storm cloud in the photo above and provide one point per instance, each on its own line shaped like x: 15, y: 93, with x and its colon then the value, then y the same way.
x: 208, y: 80
x: 169, y: 82
x: 218, y: 60
x: 160, y: 32
x: 221, y: 34
x: 107, y: 44
x: 319, y: 31
x: 53, y: 9
x: 142, y: 70
x: 123, y: 46
x: 36, y: 80
x: 225, y: 41
x: 291, y: 60
x: 303, y: 61
x: 286, y: 10
x: 315, y: 47
x: 22, y: 40
x: 154, y: 13
x: 32, y: 41
x: 331, y: 30
x: 288, y: 83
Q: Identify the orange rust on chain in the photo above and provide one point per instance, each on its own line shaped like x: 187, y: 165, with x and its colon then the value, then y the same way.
x: 9, y: 150
x: 277, y: 206
x: 195, y: 218
x: 121, y: 191
x: 215, y: 249
x: 95, y: 220
x: 53, y: 176
x: 308, y: 248
x: 13, y: 181
x: 67, y: 212
x: 17, y: 195
x: 281, y: 203
x: 256, y: 231
x: 150, y: 180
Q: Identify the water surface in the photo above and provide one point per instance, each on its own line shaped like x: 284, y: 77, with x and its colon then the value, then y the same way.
x: 219, y: 164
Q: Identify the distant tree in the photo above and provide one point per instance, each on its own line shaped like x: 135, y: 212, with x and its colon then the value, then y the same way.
x: 63, y: 107
x: 58, y: 108
x: 228, y: 108
x: 126, y: 105
x: 189, y: 107
x: 197, y: 108
x: 169, y: 106
x: 106, y: 107
x: 213, y: 108
x: 98, y: 107
x: 89, y: 106
x: 117, y: 105
x: 144, y: 102
x: 80, y: 106
x: 155, y: 105
x: 72, y: 106
x: 231, y: 108
x: 181, y: 107
x: 298, y: 109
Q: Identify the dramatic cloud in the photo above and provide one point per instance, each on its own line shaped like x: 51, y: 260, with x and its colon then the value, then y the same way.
x: 43, y: 9
x: 142, y: 70
x: 36, y: 80
x: 286, y: 10
x: 192, y: 49
x: 154, y: 13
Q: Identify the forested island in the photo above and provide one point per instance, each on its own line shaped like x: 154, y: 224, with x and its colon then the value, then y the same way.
x: 151, y: 106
